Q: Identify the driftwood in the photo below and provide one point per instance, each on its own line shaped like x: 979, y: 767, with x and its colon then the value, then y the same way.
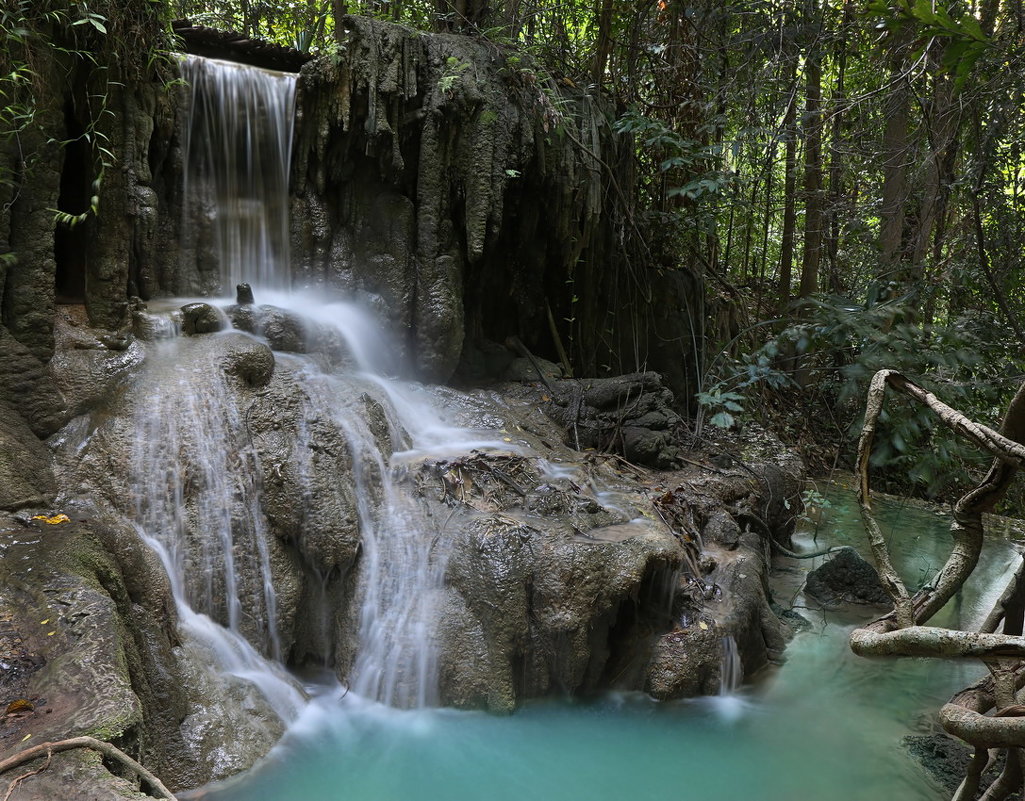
x: 158, y: 790
x: 213, y: 43
x: 970, y: 714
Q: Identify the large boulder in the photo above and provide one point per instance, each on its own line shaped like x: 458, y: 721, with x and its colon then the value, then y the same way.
x: 846, y: 577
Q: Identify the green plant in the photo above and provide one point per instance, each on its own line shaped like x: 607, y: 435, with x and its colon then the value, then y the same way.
x: 453, y: 70
x: 722, y: 404
x: 822, y: 362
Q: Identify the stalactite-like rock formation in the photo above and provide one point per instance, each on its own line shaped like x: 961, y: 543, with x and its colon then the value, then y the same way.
x: 477, y: 198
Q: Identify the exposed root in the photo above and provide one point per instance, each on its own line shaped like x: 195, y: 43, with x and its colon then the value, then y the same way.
x: 158, y: 790
x: 19, y: 779
x: 903, y: 633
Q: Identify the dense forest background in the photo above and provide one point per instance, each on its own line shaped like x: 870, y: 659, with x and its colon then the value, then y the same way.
x: 847, y: 180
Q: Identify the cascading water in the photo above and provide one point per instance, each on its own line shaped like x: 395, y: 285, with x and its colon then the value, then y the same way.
x: 197, y: 481
x: 731, y: 669
x: 196, y: 476
x: 198, y: 472
x: 238, y: 149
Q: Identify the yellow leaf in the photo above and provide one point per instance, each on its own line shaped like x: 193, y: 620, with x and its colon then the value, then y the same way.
x: 23, y: 739
x: 502, y: 431
x: 506, y: 439
x: 53, y: 521
x: 44, y: 622
x: 702, y: 625
x: 19, y: 705
x: 50, y: 633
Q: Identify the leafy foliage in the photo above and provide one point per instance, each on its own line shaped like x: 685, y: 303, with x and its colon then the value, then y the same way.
x: 824, y: 361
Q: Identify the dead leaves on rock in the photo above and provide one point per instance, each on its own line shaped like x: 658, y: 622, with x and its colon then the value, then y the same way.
x: 487, y: 482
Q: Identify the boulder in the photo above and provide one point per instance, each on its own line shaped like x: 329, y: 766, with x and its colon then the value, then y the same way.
x: 201, y: 318
x: 846, y: 577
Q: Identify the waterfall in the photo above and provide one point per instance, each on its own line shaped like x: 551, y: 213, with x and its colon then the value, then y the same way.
x: 238, y: 147
x: 197, y: 491
x: 404, y: 553
x: 731, y: 669
x: 198, y: 476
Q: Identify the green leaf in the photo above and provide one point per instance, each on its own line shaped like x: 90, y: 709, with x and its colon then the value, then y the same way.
x: 722, y: 420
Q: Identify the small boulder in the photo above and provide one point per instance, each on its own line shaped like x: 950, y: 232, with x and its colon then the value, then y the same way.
x: 251, y: 361
x: 524, y: 369
x: 201, y: 318
x: 244, y: 295
x: 847, y: 577
x: 283, y: 330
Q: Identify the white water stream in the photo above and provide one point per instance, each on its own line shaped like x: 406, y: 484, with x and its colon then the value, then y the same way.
x: 238, y: 148
x: 196, y: 470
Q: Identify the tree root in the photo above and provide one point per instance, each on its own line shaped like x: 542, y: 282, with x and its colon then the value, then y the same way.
x: 110, y: 751
x: 903, y: 633
x: 19, y: 779
x: 784, y: 551
x: 936, y: 642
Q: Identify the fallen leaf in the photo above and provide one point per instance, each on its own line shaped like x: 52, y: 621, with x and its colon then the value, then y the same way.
x: 50, y: 633
x: 702, y: 625
x: 44, y: 622
x: 23, y: 739
x: 506, y: 439
x: 19, y: 705
x: 53, y: 521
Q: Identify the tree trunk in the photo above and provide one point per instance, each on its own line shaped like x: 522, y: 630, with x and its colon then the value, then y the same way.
x: 895, y: 189
x: 813, y: 216
x: 786, y: 252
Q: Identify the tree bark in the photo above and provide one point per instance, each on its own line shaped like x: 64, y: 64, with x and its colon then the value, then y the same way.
x: 812, y: 170
x: 787, y: 236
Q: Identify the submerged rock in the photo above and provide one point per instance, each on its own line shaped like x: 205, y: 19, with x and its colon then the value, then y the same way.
x: 945, y: 758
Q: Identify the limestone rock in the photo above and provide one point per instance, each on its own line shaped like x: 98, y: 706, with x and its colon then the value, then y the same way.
x: 201, y: 318
x: 250, y: 360
x: 26, y: 385
x: 847, y: 577
x: 26, y: 475
x: 632, y: 415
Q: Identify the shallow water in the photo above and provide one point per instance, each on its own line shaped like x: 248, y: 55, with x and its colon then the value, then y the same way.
x: 826, y: 726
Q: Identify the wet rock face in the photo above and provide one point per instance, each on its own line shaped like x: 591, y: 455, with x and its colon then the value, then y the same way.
x: 439, y: 188
x: 26, y: 385
x: 26, y: 477
x: 289, y: 332
x: 539, y: 576
x: 846, y: 577
x: 93, y: 628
